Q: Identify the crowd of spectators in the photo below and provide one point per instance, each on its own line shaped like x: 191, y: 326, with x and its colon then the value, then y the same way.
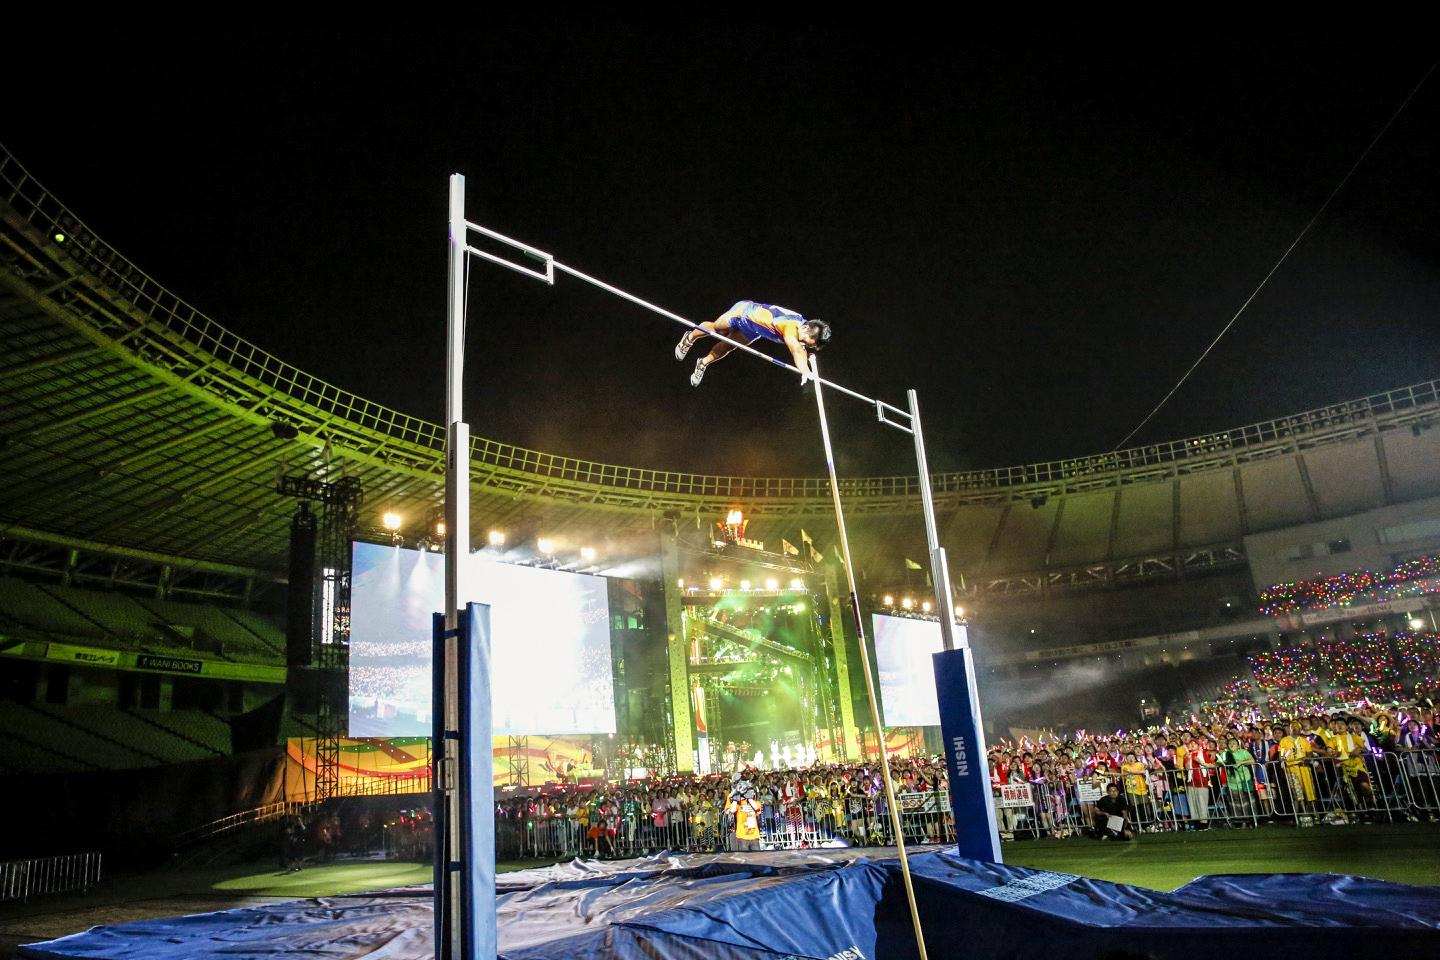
x: 1368, y: 762
x: 818, y: 805
x: 1311, y: 675
x: 1365, y: 763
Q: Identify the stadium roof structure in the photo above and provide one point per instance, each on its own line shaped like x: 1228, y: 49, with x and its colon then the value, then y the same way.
x: 136, y: 428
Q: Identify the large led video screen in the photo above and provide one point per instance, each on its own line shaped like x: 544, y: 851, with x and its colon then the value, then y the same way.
x: 550, y: 644
x: 903, y: 650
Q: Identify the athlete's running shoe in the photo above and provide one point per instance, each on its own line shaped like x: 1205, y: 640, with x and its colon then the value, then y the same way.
x: 699, y: 373
x: 683, y: 347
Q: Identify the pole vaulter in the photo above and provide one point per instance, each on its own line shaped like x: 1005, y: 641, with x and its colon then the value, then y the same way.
x: 465, y: 896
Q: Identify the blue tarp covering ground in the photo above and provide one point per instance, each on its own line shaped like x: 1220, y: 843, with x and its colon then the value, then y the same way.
x: 798, y: 905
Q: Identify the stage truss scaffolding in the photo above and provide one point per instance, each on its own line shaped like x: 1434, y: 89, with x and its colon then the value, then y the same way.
x: 339, y: 503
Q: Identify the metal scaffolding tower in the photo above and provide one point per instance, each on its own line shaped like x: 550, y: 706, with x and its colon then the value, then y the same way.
x: 339, y: 502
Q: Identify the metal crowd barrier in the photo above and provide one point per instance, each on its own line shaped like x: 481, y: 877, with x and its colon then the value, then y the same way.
x: 925, y: 818
x: 21, y: 879
x: 1391, y: 785
x: 1394, y: 785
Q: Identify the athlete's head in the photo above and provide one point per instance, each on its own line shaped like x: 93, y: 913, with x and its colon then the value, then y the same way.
x: 814, y: 334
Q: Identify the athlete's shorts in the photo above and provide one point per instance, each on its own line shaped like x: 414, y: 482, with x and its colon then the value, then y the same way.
x: 739, y: 317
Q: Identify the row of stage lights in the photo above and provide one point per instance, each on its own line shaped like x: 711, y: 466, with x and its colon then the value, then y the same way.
x: 717, y: 585
x: 544, y: 546
x: 908, y: 605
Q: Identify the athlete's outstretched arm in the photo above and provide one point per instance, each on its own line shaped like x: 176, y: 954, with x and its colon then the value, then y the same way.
x: 799, y: 354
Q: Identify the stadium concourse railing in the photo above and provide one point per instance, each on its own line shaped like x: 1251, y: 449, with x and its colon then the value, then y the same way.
x: 383, y: 786
x: 270, y: 812
x: 23, y: 879
x: 1314, y: 791
x: 157, y: 323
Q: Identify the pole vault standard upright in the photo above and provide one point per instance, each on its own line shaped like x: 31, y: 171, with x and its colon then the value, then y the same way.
x: 464, y: 905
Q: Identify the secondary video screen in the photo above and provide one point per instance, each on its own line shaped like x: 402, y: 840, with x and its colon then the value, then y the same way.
x: 903, y: 649
x: 550, y: 644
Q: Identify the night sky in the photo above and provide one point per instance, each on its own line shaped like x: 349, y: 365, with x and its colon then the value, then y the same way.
x: 1040, y: 240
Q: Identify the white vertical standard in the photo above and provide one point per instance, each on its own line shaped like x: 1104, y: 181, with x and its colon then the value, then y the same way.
x: 939, y: 568
x: 453, y: 899
x: 457, y: 432
x: 977, y: 795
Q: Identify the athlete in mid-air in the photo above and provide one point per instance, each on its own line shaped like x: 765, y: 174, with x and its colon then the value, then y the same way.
x: 749, y: 321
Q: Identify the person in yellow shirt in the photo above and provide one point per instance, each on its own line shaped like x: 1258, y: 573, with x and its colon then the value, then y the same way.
x: 1137, y: 789
x: 747, y: 322
x: 1350, y: 743
x: 1295, y: 750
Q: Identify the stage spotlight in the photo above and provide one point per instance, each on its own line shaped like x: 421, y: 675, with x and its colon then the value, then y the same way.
x: 59, y: 236
x: 925, y: 606
x: 889, y: 600
x: 391, y: 521
x: 907, y: 603
x: 545, y: 546
x: 772, y: 584
x: 497, y: 539
x: 744, y: 584
x: 440, y: 529
x: 797, y: 584
x: 716, y: 583
x: 587, y: 553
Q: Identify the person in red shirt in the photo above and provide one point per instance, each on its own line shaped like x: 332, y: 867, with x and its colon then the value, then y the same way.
x: 1199, y: 768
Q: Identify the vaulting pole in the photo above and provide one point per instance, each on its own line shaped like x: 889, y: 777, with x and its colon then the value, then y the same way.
x: 865, y: 660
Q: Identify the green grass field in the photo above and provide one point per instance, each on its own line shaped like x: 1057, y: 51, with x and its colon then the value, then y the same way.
x: 1402, y: 852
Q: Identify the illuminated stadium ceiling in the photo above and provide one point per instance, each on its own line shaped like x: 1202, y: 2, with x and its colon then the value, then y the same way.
x: 134, y: 423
